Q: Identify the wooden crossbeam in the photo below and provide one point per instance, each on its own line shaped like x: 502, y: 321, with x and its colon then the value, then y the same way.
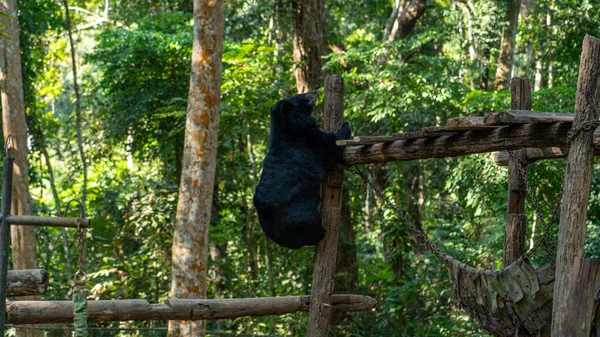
x: 510, y: 137
x: 27, y: 282
x: 466, y: 121
x: 509, y: 117
x: 532, y: 155
x: 39, y: 312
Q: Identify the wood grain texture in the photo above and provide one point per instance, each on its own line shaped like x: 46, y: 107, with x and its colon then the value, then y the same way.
x: 331, y: 203
x: 578, y: 174
x: 38, y: 312
x: 522, y: 116
x: 516, y: 221
x: 458, y: 144
x: 27, y: 282
x: 532, y: 154
x: 466, y: 121
x: 581, y: 299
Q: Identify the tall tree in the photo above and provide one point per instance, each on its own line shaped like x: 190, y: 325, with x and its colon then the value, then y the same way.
x: 404, y: 18
x: 77, y: 105
x: 190, y: 240
x: 309, y: 44
x: 507, y: 45
x: 24, y: 250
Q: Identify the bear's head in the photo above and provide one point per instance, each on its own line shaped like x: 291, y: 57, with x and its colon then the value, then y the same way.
x: 293, y: 114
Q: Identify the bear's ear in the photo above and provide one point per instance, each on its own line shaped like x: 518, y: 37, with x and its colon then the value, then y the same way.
x: 285, y: 107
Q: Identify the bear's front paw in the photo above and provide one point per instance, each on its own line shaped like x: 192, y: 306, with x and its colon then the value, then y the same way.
x: 344, y: 132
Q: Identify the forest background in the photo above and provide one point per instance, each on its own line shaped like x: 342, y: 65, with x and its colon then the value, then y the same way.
x: 404, y: 69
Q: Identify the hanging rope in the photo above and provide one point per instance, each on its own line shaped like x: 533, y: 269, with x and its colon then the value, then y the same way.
x: 435, y: 249
x: 80, y: 291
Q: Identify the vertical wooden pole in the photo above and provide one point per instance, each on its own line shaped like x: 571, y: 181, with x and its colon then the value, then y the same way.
x: 580, y: 307
x: 516, y: 222
x: 7, y: 176
x: 331, y: 205
x: 578, y: 175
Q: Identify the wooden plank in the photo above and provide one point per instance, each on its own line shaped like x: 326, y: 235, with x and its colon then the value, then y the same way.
x: 319, y: 317
x: 516, y: 221
x: 436, y: 129
x: 375, y: 139
x: 576, y: 193
x: 532, y: 155
x: 585, y: 273
x: 470, y: 142
x: 535, y: 154
x: 27, y: 282
x: 466, y: 121
x: 419, y: 134
x: 510, y: 117
x: 370, y: 140
x: 39, y: 312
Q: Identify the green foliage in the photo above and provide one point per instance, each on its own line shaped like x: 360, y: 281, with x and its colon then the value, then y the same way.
x: 144, y: 85
x: 135, y: 78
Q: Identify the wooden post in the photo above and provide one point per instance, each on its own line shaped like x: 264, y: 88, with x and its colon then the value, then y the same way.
x: 581, y: 298
x: 516, y: 222
x: 578, y: 175
x: 331, y: 204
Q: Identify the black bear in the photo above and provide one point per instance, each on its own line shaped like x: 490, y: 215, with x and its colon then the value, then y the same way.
x: 288, y: 194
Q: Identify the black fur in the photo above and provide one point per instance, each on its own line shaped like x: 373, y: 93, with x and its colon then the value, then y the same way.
x: 300, y: 154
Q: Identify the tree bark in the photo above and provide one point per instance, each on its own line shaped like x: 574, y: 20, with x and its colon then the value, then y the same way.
x: 406, y: 19
x: 507, y: 45
x: 190, y: 240
x: 309, y: 44
x: 578, y: 175
x: 24, y: 250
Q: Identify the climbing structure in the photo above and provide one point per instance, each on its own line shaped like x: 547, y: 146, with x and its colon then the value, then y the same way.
x: 515, y: 300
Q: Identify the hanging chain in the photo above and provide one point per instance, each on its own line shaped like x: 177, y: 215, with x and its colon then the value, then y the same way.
x: 546, y: 240
x: 80, y: 277
x: 435, y: 249
x: 582, y: 127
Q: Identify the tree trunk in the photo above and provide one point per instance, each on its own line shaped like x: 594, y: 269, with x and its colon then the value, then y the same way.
x: 411, y: 174
x: 24, y: 250
x: 406, y: 19
x: 77, y: 106
x: 578, y: 176
x: 190, y: 240
x: 507, y: 45
x: 309, y: 44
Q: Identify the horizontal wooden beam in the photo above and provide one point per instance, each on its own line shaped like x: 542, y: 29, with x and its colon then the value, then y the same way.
x: 35, y: 220
x: 532, y: 155
x: 466, y: 121
x: 480, y: 141
x: 38, y: 312
x: 27, y: 282
x: 510, y: 117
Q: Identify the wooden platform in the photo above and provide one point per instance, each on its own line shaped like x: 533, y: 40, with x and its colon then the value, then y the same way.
x: 497, y: 131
